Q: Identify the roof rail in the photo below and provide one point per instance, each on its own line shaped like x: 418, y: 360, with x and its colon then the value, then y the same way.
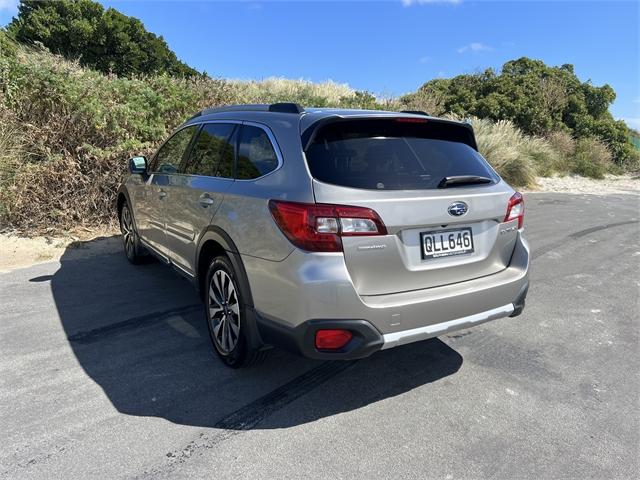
x: 282, y: 107
x: 415, y: 112
x: 195, y: 116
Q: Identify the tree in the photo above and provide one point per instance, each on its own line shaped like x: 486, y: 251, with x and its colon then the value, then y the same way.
x: 539, y: 99
x: 105, y: 40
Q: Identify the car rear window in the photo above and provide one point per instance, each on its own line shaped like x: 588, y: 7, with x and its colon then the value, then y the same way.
x: 393, y: 154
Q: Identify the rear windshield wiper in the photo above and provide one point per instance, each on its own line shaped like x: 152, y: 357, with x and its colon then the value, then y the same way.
x: 459, y: 180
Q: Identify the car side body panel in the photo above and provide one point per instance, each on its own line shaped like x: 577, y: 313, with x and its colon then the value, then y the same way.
x: 192, y: 203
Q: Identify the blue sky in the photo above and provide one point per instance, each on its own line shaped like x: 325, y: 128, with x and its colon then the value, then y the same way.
x: 392, y: 47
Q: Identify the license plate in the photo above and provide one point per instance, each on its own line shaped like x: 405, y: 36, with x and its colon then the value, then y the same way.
x: 445, y: 243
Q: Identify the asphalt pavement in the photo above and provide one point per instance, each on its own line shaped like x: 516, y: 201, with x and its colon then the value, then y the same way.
x: 106, y: 371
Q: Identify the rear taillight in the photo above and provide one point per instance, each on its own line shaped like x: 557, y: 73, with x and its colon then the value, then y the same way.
x: 333, y: 339
x: 515, y: 209
x: 318, y: 227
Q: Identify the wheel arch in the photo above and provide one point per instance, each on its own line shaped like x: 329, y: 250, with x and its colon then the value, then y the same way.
x: 123, y: 197
x: 215, y: 241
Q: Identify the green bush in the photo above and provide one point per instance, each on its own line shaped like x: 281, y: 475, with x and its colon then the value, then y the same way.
x: 538, y: 99
x: 70, y: 129
x: 74, y: 128
x: 423, y: 101
x: 591, y: 158
x: 105, y: 40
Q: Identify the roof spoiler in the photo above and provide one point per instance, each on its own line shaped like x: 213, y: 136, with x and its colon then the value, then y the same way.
x: 310, y: 133
x: 415, y: 112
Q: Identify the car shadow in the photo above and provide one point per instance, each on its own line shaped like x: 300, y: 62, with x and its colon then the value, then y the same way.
x: 140, y: 334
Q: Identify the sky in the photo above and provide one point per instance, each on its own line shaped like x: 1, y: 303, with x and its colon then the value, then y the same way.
x: 392, y: 47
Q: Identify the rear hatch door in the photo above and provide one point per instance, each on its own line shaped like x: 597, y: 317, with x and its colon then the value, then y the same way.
x: 439, y: 232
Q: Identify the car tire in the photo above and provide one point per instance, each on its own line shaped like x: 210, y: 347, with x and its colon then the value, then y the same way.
x: 133, y: 249
x: 226, y: 315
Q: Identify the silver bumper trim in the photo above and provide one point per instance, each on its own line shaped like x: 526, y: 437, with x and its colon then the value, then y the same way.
x: 429, y: 331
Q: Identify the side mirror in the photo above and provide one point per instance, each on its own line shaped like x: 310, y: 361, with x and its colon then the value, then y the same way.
x: 138, y: 165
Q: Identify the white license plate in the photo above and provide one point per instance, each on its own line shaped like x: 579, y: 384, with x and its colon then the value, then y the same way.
x: 444, y: 243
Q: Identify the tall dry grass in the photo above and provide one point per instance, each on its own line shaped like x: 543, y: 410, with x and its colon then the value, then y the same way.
x: 66, y: 132
x: 591, y: 158
x: 13, y: 148
x: 519, y: 158
x: 277, y: 89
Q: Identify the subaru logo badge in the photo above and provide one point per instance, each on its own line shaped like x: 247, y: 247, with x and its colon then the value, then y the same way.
x: 457, y: 209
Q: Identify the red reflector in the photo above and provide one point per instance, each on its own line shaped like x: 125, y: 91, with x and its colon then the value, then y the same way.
x: 332, y: 339
x: 411, y: 120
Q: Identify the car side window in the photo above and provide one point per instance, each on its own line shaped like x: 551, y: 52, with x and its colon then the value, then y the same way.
x: 212, y: 153
x: 256, y: 156
x: 169, y: 157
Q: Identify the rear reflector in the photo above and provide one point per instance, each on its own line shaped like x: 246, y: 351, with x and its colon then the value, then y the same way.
x: 318, y: 227
x: 332, y: 339
x: 515, y: 209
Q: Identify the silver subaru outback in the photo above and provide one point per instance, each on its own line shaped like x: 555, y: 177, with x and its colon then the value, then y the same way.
x: 330, y: 233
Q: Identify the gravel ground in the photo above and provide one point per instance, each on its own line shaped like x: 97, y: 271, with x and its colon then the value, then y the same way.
x: 611, y: 184
x: 18, y: 251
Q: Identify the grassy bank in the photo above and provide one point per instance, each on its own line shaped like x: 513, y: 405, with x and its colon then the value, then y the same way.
x: 66, y: 131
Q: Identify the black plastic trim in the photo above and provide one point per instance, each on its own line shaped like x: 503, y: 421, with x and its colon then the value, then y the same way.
x: 122, y: 190
x: 519, y: 302
x: 186, y: 155
x: 285, y: 107
x: 217, y: 234
x: 415, y: 112
x: 281, y: 107
x: 301, y: 339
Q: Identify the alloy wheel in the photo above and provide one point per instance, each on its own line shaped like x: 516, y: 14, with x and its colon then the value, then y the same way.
x: 127, y: 232
x: 224, y: 311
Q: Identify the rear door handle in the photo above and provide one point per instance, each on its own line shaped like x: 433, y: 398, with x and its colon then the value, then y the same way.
x: 205, y: 200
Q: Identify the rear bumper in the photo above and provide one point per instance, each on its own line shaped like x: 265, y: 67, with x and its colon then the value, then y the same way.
x: 366, y: 339
x: 307, y: 286
x: 301, y: 339
x: 396, y: 339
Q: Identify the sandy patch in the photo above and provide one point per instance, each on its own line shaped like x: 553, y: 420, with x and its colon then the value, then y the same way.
x: 611, y: 184
x: 17, y: 251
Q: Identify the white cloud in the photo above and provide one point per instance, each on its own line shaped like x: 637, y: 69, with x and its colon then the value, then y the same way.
x: 474, y: 47
x: 408, y: 3
x: 10, y: 6
x: 424, y: 59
